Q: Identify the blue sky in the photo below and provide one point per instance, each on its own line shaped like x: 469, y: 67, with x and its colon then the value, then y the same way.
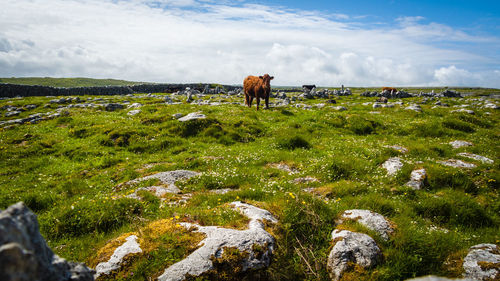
x: 329, y: 43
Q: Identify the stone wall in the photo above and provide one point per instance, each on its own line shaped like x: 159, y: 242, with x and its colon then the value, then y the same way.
x: 13, y: 90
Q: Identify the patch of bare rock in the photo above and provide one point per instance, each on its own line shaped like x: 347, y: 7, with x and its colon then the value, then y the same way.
x: 167, y: 179
x: 284, y: 167
x: 25, y: 255
x: 351, y: 247
x: 457, y: 164
x: 476, y: 157
x: 305, y: 180
x: 392, y: 165
x: 459, y: 143
x: 417, y: 179
x: 483, y: 262
x: 369, y: 219
x: 129, y: 247
x: 219, y: 239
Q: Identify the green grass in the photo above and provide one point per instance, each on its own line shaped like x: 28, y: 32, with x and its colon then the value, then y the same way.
x: 68, y: 171
x: 67, y: 82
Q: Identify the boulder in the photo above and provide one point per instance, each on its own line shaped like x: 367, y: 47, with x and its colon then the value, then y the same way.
x: 254, y: 244
x: 369, y: 219
x: 392, y: 165
x: 115, y: 261
x: 458, y: 143
x: 482, y: 262
x: 457, y: 164
x: 417, y: 179
x: 113, y: 106
x: 24, y: 254
x: 134, y: 112
x: 166, y: 178
x: 192, y: 116
x: 476, y: 157
x: 351, y: 247
x: 414, y: 107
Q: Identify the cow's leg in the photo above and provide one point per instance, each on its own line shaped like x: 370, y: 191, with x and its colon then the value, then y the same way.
x: 250, y: 102
x: 258, y: 102
x: 267, y: 102
x: 246, y: 99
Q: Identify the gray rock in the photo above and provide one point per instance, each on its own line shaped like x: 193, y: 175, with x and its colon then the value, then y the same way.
x: 12, y: 113
x: 371, y: 220
x: 166, y: 178
x: 134, y: 105
x: 417, y: 179
x: 30, y: 106
x: 177, y: 115
x: 339, y: 108
x: 491, y: 106
x: 458, y: 143
x: 479, y: 256
x: 414, y: 107
x: 134, y: 112
x: 463, y: 110
x: 392, y: 165
x: 192, y: 116
x: 284, y: 167
x: 376, y: 105
x: 351, y: 247
x: 476, y: 157
x: 24, y: 254
x: 129, y: 247
x: 457, y: 164
x: 113, y: 106
x: 217, y: 238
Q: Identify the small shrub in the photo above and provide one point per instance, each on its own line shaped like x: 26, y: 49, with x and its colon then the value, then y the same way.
x: 360, y: 126
x: 85, y: 217
x: 458, y: 125
x: 292, y: 143
x: 192, y: 127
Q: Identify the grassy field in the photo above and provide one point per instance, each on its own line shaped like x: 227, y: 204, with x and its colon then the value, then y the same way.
x: 67, y: 171
x: 67, y: 82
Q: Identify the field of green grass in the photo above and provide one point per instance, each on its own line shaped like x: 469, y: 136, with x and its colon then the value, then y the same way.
x: 68, y: 170
x: 67, y: 82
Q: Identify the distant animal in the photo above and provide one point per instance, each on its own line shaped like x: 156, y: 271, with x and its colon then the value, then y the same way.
x: 389, y: 89
x: 257, y: 87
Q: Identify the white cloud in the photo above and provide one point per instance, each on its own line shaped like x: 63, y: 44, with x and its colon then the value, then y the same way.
x: 213, y: 41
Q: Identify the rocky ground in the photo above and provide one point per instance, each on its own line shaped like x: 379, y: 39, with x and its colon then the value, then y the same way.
x: 324, y: 185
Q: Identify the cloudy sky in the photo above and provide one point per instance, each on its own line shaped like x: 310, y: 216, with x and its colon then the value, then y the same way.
x: 328, y: 43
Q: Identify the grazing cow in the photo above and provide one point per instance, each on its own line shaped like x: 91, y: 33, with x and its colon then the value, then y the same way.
x: 389, y: 89
x: 257, y: 87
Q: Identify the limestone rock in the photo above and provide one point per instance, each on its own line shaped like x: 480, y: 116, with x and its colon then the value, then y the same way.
x: 463, y: 110
x: 134, y: 112
x: 113, y: 106
x: 371, y: 220
x: 192, y: 116
x: 24, y: 254
x: 458, y: 143
x: 457, y: 164
x: 129, y: 247
x: 167, y: 178
x: 217, y: 239
x: 482, y: 262
x: 476, y: 157
x: 351, y: 247
x: 417, y: 179
x: 414, y: 107
x: 393, y: 165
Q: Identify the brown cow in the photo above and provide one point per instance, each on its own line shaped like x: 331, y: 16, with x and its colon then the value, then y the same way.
x: 389, y: 89
x: 257, y: 87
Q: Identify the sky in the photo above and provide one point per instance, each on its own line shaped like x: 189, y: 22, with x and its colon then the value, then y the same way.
x: 327, y: 43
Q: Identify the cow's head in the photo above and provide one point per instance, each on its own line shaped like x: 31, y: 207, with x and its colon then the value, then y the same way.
x: 267, y: 79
